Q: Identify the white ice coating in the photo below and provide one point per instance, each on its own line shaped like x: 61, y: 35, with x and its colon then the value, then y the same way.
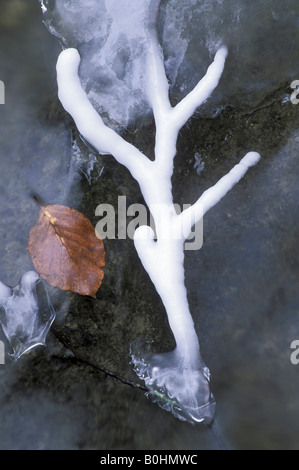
x: 179, y: 380
x: 43, y: 6
x: 111, y: 39
x: 23, y: 320
x: 116, y: 40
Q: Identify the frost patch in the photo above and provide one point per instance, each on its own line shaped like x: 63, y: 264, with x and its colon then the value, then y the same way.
x: 26, y: 314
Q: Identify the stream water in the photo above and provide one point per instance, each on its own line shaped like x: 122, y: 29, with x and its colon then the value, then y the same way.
x: 242, y: 284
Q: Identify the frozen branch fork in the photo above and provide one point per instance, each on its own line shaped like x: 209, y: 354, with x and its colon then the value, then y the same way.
x: 178, y: 380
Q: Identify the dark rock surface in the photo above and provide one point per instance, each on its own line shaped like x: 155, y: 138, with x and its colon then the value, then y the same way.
x: 242, y: 284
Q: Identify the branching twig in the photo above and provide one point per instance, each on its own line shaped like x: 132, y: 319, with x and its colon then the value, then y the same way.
x: 181, y: 374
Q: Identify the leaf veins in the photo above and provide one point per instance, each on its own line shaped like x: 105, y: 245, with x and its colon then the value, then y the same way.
x: 66, y: 251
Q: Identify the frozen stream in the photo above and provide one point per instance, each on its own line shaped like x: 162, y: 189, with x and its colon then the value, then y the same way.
x: 242, y: 285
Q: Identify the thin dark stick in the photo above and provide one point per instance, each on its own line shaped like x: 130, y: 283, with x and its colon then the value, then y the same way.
x: 213, y: 427
x: 102, y: 369
x: 216, y: 433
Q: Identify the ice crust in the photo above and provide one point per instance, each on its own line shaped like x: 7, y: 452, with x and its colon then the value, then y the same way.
x: 26, y: 313
x: 112, y: 42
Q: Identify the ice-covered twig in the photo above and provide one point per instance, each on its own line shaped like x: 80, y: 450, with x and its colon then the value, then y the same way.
x: 89, y: 122
x: 202, y: 91
x: 211, y: 196
x: 179, y: 377
x: 169, y: 120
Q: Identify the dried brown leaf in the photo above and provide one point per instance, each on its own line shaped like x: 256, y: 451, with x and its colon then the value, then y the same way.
x: 65, y: 250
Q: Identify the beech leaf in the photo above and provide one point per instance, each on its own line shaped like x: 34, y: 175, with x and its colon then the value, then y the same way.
x: 66, y: 251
